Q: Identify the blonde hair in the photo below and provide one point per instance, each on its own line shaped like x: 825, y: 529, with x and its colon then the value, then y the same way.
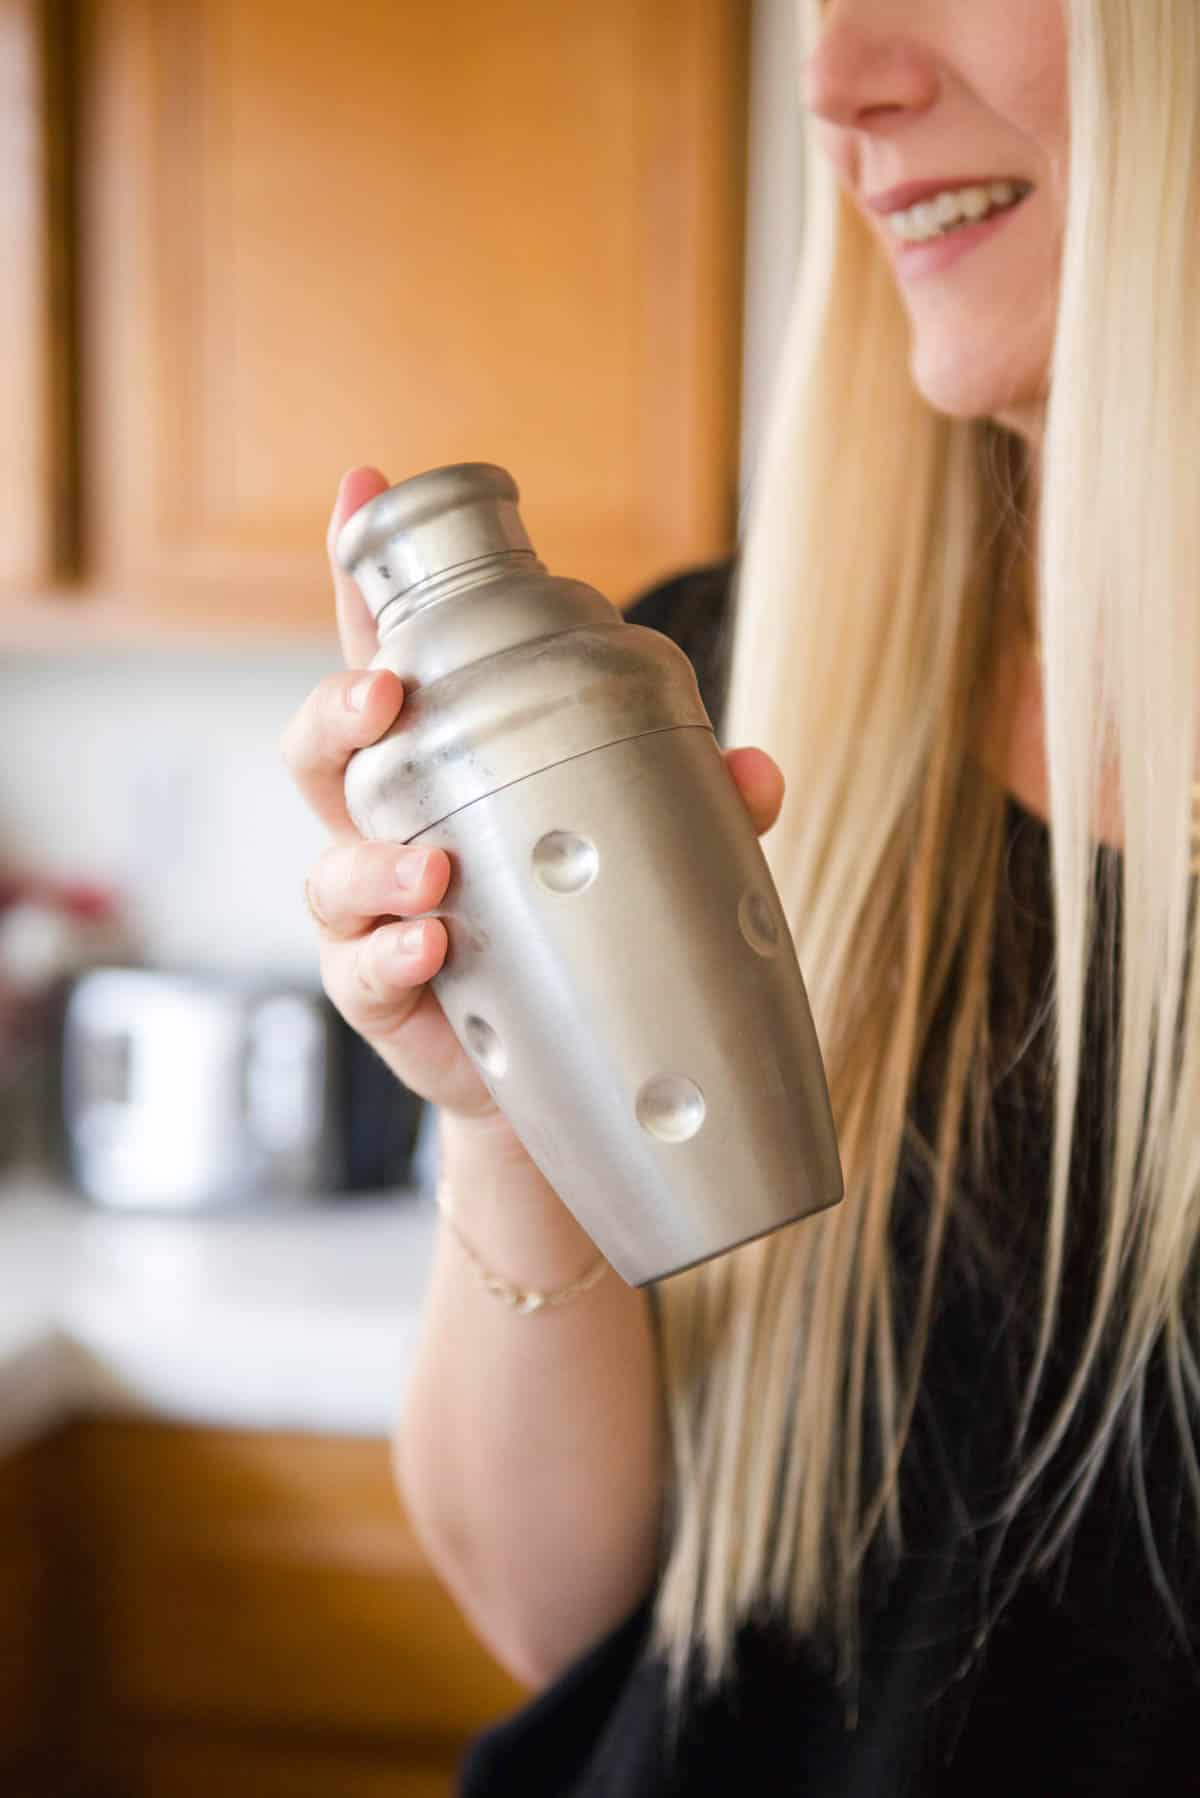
x: 874, y: 580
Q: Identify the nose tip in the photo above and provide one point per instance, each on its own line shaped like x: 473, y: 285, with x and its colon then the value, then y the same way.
x: 853, y: 81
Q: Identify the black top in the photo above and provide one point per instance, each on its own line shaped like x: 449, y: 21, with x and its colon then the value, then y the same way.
x: 1083, y: 1685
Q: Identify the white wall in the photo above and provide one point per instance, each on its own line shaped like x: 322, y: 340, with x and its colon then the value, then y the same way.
x: 159, y: 769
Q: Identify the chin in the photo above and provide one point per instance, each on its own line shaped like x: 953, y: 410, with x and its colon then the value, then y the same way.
x: 958, y: 387
x: 961, y: 386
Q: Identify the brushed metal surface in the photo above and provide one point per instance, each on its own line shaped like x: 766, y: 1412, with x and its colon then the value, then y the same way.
x: 589, y: 995
x: 619, y: 964
x: 440, y: 520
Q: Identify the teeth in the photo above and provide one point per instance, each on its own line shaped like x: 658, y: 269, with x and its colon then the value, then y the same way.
x: 931, y: 218
x: 976, y: 200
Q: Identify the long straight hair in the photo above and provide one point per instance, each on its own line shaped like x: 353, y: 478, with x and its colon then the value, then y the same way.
x: 874, y: 584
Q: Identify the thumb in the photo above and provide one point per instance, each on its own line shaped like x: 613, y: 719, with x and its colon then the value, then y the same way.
x: 356, y: 627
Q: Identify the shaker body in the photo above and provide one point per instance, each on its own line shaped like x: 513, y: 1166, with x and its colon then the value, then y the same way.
x: 620, y: 970
x: 619, y: 966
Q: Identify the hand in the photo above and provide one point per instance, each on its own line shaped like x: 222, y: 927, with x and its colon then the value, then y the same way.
x: 361, y: 892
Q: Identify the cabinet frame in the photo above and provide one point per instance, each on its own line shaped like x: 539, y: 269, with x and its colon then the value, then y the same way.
x: 162, y: 552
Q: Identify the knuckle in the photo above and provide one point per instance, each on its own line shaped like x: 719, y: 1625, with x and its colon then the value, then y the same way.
x: 316, y: 909
x: 379, y: 979
x: 317, y: 741
x: 328, y: 878
x: 365, y: 974
x: 364, y: 872
x: 329, y: 884
x: 335, y: 713
x: 306, y: 735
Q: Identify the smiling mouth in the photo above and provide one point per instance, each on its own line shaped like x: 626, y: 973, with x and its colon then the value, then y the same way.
x: 930, y: 220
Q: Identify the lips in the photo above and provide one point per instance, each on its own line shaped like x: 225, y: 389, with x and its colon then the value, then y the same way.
x: 909, y: 193
x: 915, y: 260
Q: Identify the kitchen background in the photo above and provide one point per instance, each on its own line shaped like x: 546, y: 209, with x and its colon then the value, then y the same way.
x: 248, y: 246
x: 151, y: 762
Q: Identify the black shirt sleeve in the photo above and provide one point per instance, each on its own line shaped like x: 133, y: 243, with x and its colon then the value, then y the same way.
x: 543, y: 1749
x: 696, y: 610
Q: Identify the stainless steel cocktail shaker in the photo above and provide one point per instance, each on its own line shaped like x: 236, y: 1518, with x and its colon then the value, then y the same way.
x: 619, y: 966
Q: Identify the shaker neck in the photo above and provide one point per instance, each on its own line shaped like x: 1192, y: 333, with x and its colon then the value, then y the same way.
x: 439, y: 586
x: 400, y: 544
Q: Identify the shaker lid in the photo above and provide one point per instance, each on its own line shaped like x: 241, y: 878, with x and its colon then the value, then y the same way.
x: 424, y: 526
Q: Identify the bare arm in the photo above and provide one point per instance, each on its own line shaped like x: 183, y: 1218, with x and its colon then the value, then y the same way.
x: 531, y: 1450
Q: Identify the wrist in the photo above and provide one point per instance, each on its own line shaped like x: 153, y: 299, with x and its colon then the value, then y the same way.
x: 522, y: 1299
x: 483, y: 1159
x: 514, y: 1217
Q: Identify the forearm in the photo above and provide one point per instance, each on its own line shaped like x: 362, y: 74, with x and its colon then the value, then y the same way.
x: 531, y: 1450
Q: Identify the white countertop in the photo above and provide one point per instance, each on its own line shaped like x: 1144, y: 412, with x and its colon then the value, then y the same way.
x: 301, y: 1318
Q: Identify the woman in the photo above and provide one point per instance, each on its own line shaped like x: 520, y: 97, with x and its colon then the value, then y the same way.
x: 904, y: 1498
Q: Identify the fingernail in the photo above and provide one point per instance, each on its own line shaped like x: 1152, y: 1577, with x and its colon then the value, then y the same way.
x: 411, y: 938
x: 360, y: 692
x: 409, y: 873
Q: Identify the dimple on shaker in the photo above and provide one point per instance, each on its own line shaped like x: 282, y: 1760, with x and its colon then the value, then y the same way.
x: 619, y: 966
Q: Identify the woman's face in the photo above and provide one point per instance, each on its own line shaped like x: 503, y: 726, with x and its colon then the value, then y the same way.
x: 955, y: 96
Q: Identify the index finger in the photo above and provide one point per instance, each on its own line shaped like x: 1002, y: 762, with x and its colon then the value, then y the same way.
x: 760, y: 781
x: 356, y: 627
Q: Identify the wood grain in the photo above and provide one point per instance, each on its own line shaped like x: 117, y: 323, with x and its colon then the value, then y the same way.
x: 202, y: 1611
x: 312, y: 237
x: 146, y: 1762
x: 37, y: 373
x: 239, y: 1581
x: 27, y: 1619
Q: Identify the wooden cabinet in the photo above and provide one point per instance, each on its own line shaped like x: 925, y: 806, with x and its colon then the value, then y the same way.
x: 30, y: 1600
x: 308, y: 236
x: 176, y: 1766
x: 37, y: 469
x: 23, y: 1650
x: 233, y: 1613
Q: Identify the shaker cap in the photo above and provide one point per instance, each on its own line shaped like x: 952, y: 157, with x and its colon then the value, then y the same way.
x: 427, y: 525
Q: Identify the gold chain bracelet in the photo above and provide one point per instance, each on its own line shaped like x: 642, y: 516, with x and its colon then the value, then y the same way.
x: 520, y: 1298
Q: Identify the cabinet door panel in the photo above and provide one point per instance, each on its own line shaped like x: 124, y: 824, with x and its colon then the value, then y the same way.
x: 27, y: 1617
x: 23, y: 1656
x: 36, y: 445
x: 143, y: 1763
x: 246, y: 1582
x: 315, y: 235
